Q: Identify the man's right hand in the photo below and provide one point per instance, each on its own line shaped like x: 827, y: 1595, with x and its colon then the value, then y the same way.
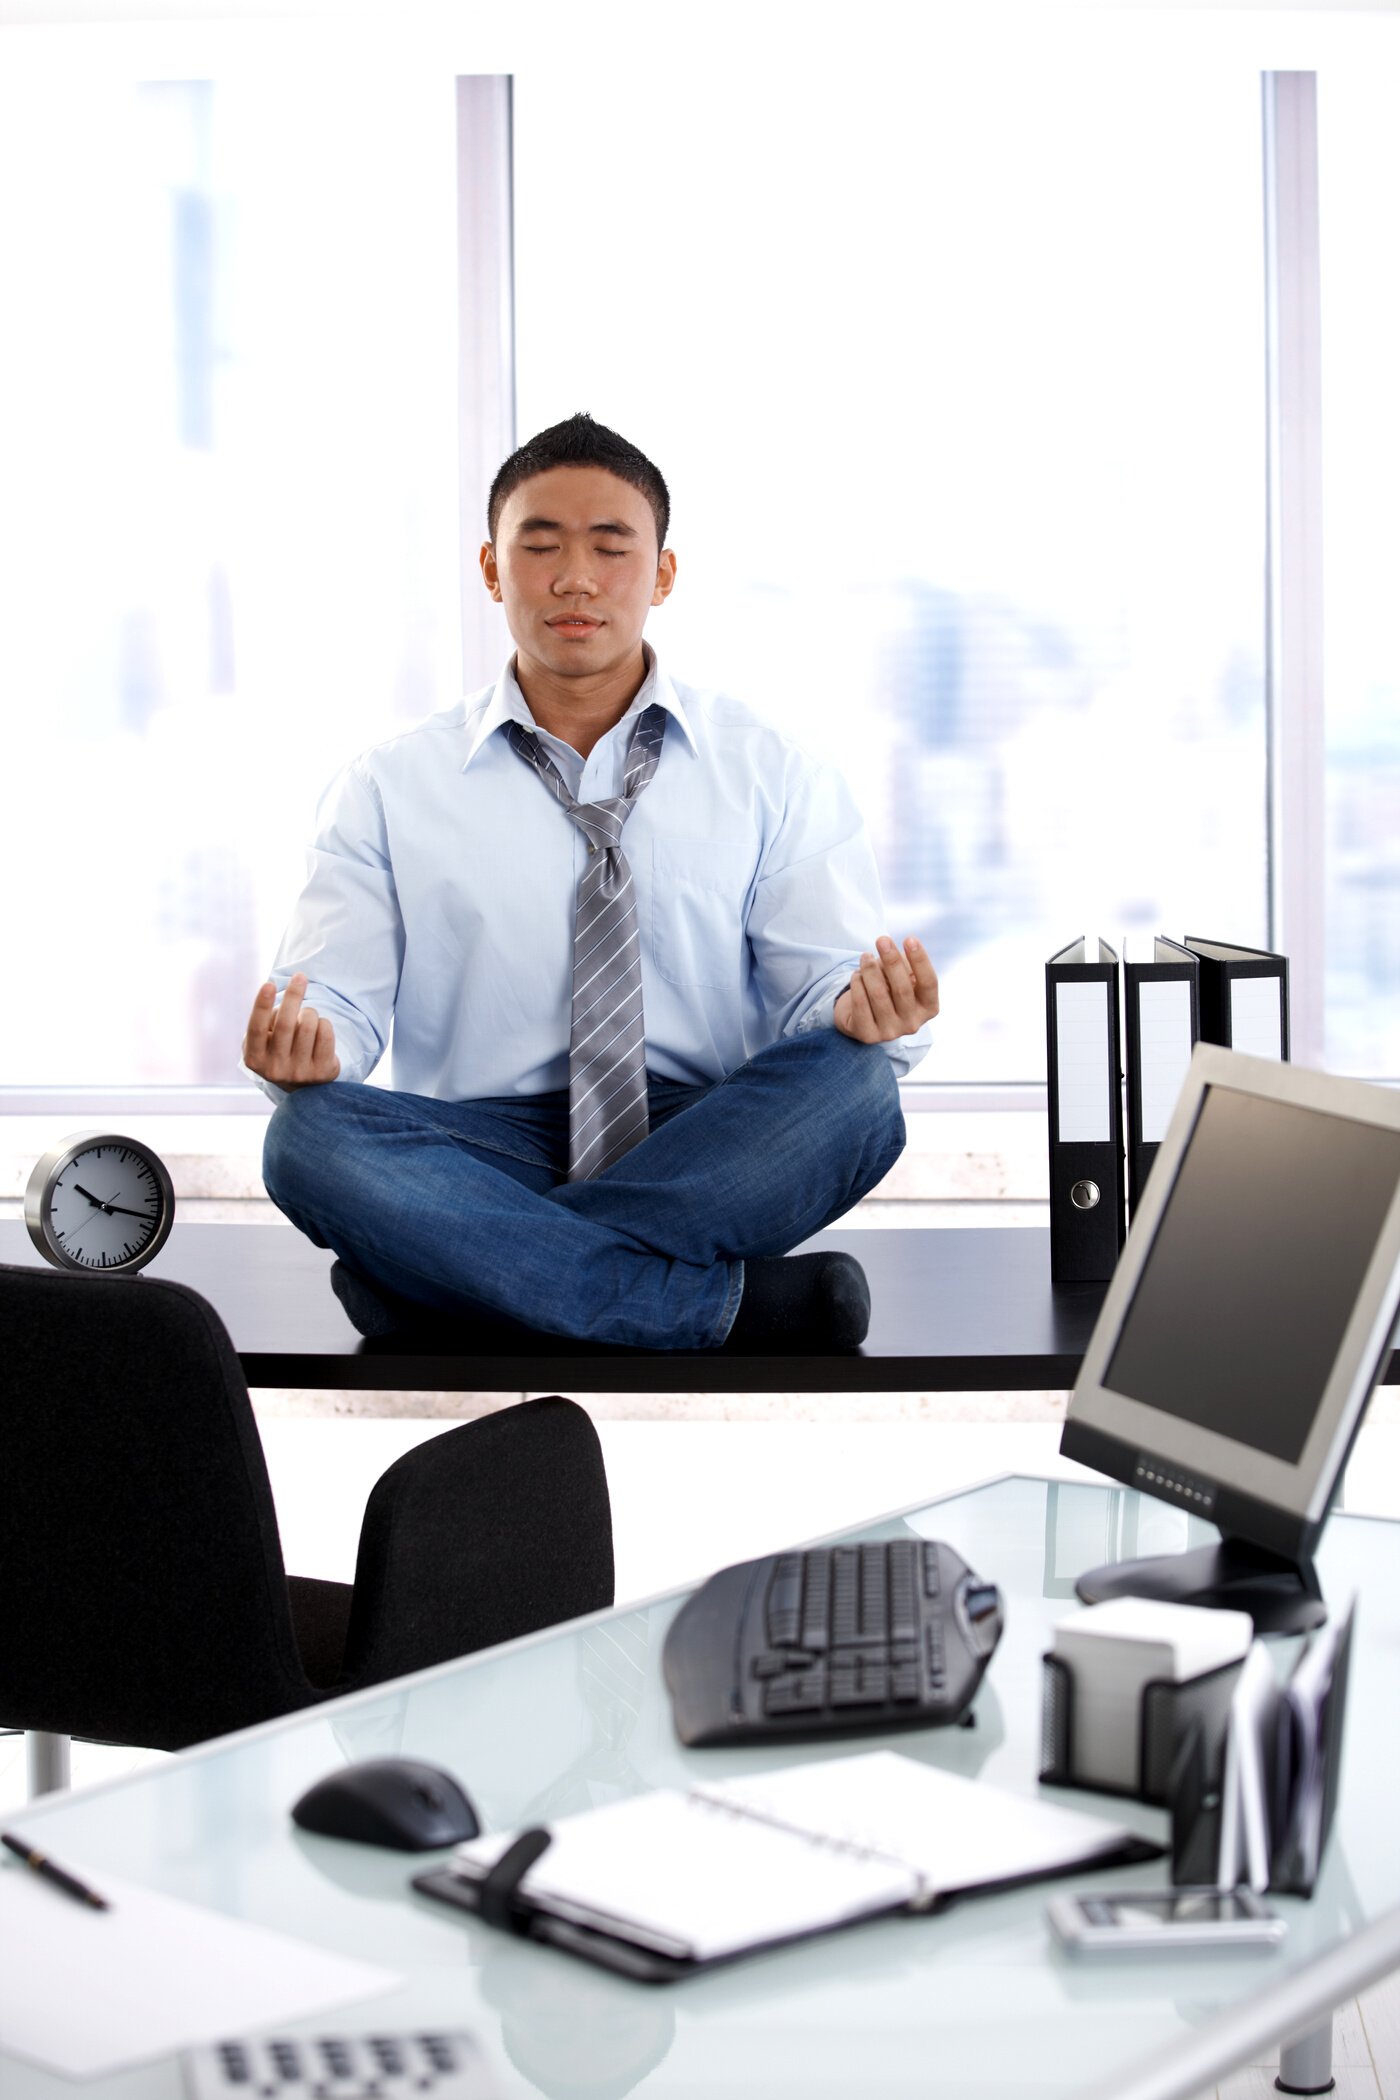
x: 290, y: 1044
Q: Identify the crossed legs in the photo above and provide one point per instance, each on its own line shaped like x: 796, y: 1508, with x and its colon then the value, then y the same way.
x: 463, y: 1206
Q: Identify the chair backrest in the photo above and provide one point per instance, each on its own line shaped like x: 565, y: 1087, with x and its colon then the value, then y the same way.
x: 143, y: 1597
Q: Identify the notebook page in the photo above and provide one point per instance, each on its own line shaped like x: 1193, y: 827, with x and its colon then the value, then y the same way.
x: 954, y: 1833
x: 688, y: 1877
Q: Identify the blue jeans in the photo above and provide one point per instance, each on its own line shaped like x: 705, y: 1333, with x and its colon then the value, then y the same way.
x: 463, y: 1205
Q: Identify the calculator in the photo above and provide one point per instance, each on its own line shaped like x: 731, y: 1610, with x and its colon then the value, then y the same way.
x: 449, y: 2066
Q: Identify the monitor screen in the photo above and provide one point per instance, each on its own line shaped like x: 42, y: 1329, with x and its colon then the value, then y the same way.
x: 1255, y: 1269
x: 1250, y: 1312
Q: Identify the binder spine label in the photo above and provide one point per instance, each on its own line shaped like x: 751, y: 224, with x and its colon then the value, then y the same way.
x: 1083, y: 1078
x: 1256, y: 1016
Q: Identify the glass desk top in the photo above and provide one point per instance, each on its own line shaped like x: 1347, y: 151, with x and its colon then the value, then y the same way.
x: 975, y: 2000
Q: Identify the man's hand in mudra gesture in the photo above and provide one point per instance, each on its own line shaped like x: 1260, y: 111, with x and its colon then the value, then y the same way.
x: 288, y: 1043
x: 893, y: 993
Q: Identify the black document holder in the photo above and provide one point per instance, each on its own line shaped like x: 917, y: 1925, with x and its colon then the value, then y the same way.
x: 1172, y: 1714
x: 1291, y: 1871
x: 1181, y: 1766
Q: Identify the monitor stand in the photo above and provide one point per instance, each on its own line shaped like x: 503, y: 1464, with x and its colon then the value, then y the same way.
x: 1281, y: 1596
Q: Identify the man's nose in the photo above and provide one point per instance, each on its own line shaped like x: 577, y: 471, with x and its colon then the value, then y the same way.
x: 576, y: 580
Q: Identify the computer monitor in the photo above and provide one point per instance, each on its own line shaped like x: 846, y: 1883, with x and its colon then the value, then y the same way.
x: 1246, y: 1323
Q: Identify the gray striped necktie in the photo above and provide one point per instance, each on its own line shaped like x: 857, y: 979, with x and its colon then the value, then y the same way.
x: 607, y: 1032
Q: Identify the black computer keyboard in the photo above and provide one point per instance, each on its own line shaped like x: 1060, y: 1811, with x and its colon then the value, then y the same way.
x: 891, y: 1635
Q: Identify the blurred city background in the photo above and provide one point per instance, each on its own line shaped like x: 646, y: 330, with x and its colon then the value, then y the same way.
x: 959, y: 390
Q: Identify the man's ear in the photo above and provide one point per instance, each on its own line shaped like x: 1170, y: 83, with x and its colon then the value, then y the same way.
x: 489, y: 571
x: 665, y: 577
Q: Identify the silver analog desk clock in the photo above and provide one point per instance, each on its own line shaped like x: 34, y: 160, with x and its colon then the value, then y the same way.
x: 99, y: 1202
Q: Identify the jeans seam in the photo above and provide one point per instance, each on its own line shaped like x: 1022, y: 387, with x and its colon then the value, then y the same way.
x: 729, y: 1312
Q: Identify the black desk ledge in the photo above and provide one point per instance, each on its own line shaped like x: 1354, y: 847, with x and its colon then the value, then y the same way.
x: 954, y: 1309
x: 960, y: 1309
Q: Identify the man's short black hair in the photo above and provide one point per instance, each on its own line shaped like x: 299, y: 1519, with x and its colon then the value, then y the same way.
x: 580, y: 442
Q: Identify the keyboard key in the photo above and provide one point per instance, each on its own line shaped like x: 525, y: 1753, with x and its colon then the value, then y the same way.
x: 933, y: 1648
x: 904, y: 1624
x: 931, y: 1577
x: 769, y: 1665
x: 816, y: 1601
x: 873, y: 1593
x: 803, y: 1692
x: 871, y: 1689
x: 785, y: 1601
x: 845, y: 1597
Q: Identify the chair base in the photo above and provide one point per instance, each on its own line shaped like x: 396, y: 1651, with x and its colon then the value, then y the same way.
x: 49, y: 1759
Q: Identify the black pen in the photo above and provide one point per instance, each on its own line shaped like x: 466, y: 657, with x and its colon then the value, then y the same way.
x: 61, y: 1879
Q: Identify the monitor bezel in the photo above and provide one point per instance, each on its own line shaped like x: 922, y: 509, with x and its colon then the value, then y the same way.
x: 1291, y: 1498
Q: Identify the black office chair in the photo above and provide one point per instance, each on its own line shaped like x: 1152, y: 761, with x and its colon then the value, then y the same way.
x: 143, y: 1598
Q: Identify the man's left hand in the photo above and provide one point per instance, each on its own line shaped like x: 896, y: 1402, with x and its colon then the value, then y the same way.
x: 890, y: 995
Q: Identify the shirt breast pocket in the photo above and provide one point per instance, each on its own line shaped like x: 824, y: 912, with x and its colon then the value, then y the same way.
x: 699, y: 910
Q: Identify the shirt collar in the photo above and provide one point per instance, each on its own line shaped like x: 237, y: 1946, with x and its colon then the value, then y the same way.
x: 507, y: 704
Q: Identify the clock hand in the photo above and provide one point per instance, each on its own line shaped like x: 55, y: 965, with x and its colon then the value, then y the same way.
x: 112, y: 1209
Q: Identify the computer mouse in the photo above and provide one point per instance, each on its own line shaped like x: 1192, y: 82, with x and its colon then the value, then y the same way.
x: 392, y: 1801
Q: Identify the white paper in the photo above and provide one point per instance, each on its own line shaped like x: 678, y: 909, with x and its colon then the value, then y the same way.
x: 1136, y: 1638
x: 739, y: 1863
x: 1113, y: 1650
x: 86, y: 1991
x: 1256, y: 1016
x: 1244, y: 1830
x: 1164, y: 1045
x: 1081, y: 1060
x: 955, y: 1833
x: 682, y: 1875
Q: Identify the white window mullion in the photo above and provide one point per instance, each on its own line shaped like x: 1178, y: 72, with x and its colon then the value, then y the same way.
x: 1297, y: 809
x: 486, y: 346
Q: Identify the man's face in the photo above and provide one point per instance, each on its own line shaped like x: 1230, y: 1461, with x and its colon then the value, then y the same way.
x: 576, y: 566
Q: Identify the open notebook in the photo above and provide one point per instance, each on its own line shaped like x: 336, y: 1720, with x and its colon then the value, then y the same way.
x: 665, y: 1882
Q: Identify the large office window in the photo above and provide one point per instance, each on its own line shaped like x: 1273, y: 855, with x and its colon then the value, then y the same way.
x: 958, y: 380
x: 960, y: 391
x: 1359, y: 199
x: 228, y: 526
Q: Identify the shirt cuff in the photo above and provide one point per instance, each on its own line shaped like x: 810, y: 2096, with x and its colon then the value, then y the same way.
x: 269, y: 1087
x: 903, y: 1053
x: 822, y: 1015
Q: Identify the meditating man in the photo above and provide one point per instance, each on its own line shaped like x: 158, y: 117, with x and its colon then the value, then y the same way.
x: 641, y: 1044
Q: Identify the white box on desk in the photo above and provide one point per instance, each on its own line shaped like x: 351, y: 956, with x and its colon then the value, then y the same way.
x: 1112, y: 1651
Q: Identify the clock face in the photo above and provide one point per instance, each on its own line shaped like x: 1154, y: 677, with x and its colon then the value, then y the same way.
x: 100, y: 1203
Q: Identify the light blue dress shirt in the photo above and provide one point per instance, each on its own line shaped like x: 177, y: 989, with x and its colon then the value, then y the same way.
x: 441, y: 884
